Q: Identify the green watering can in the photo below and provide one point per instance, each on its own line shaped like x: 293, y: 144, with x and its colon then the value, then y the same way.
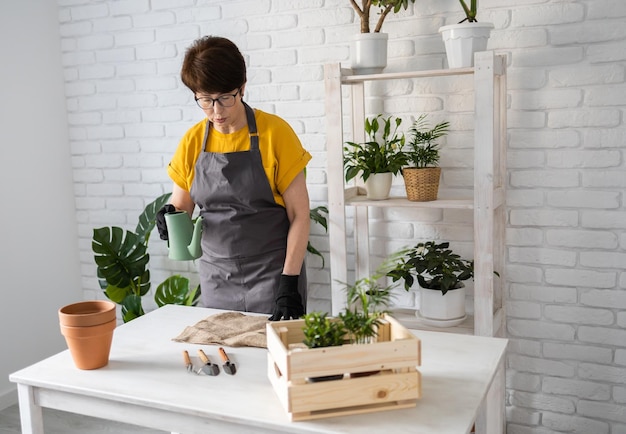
x: 184, y: 236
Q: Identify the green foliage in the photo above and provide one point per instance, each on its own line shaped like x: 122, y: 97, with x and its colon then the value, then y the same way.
x: 421, y: 150
x: 318, y: 215
x: 367, y: 301
x: 385, y: 6
x: 321, y: 331
x: 434, y: 265
x: 380, y: 153
x: 175, y: 290
x: 122, y: 265
x: 470, y: 11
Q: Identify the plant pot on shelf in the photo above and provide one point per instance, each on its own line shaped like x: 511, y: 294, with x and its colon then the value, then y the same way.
x: 368, y: 53
x: 88, y: 330
x: 378, y: 185
x: 421, y: 183
x: 442, y: 310
x: 463, y: 40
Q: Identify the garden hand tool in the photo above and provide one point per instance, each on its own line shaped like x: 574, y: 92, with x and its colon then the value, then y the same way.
x: 208, y: 367
x: 229, y: 367
x: 187, y: 360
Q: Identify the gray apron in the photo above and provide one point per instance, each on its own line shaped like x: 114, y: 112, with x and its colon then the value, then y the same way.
x: 244, y: 237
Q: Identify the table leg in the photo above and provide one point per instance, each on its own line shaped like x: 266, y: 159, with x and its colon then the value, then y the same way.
x: 31, y: 415
x: 491, y: 415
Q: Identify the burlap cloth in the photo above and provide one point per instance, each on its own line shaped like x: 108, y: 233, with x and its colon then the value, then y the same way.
x: 233, y: 329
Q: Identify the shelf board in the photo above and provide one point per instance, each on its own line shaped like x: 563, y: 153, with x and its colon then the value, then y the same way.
x: 407, y: 318
x: 348, y: 76
x: 402, y: 201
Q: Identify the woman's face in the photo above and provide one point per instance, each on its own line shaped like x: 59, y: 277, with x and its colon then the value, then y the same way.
x: 224, y: 110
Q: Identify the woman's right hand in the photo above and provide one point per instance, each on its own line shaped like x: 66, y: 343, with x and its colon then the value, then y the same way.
x: 160, y: 220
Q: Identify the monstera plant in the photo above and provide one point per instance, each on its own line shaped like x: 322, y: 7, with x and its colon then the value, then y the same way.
x: 122, y: 259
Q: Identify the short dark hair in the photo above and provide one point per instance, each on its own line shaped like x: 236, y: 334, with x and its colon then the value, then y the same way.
x: 213, y: 64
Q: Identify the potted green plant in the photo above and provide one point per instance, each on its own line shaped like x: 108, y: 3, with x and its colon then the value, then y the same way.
x: 440, y: 273
x: 369, y: 48
x: 122, y: 266
x: 377, y: 159
x: 421, y: 178
x: 466, y: 37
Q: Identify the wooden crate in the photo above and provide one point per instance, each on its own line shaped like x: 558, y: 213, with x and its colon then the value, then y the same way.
x: 394, y: 357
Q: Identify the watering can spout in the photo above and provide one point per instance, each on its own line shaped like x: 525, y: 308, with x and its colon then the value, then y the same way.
x: 194, y: 247
x: 185, y: 236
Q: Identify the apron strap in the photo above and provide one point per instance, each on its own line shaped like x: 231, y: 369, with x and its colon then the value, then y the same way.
x: 254, y: 135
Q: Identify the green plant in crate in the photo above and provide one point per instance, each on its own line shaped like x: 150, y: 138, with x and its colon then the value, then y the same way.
x: 322, y: 331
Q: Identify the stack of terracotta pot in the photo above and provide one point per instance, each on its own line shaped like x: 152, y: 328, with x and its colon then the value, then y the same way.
x: 88, y: 330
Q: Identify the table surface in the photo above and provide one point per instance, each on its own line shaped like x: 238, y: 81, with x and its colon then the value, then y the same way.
x: 146, y: 383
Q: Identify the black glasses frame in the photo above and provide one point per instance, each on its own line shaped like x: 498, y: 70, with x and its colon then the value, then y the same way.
x: 216, y: 100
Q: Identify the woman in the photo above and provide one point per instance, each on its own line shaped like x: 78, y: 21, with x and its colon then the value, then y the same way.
x: 244, y: 169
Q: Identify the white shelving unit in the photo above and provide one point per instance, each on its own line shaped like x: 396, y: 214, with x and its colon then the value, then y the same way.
x: 488, y: 204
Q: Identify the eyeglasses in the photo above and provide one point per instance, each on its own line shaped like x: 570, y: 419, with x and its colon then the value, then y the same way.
x: 207, y: 103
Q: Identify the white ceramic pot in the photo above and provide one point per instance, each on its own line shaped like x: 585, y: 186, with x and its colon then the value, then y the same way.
x: 368, y: 53
x: 449, y: 307
x: 463, y: 40
x: 378, y: 185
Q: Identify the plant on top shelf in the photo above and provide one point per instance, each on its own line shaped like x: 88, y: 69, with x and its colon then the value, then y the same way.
x: 421, y: 179
x: 385, y: 6
x: 470, y: 11
x: 434, y: 266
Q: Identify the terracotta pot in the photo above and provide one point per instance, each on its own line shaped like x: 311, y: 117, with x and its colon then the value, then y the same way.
x: 88, y: 330
x: 87, y: 313
x: 90, y: 346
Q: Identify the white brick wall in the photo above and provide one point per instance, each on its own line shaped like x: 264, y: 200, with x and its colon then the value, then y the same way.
x: 566, y: 232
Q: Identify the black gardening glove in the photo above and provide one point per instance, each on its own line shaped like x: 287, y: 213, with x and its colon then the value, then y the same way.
x: 288, y: 300
x: 160, y: 220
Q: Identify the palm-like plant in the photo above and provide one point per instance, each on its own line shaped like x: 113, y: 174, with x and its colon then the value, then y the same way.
x: 421, y: 150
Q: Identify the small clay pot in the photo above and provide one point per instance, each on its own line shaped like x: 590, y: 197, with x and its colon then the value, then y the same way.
x: 87, y: 313
x: 90, y: 346
x: 88, y: 330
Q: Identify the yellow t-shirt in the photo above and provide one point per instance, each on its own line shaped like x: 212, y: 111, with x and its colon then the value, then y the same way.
x: 281, y: 151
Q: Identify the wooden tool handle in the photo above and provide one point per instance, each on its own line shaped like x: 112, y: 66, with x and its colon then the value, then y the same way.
x: 186, y: 358
x: 223, y: 355
x: 203, y: 356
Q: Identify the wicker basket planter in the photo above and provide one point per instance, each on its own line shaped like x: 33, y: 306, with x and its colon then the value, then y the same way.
x: 395, y: 384
x: 421, y: 184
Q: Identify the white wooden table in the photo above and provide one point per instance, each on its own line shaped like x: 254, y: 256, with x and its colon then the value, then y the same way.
x: 145, y: 383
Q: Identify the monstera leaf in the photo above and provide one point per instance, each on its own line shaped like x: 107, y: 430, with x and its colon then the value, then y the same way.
x: 122, y: 259
x: 147, y: 219
x: 175, y: 290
